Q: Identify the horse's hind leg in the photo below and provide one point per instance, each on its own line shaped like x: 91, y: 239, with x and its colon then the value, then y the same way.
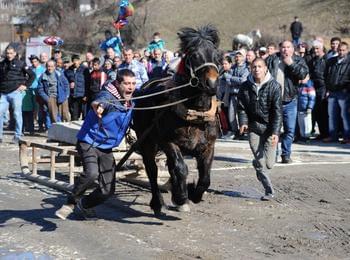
x: 148, y: 155
x: 178, y: 171
x: 204, y: 162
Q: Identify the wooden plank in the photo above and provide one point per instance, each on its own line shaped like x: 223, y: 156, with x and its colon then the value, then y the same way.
x: 34, y: 161
x: 53, y: 165
x: 71, y: 169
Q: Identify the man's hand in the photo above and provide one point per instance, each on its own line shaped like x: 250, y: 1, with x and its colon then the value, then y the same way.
x: 21, y: 88
x: 243, y: 129
x: 274, y: 140
x: 71, y: 85
x: 98, y: 108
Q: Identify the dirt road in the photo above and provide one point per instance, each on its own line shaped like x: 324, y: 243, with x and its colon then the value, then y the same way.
x: 310, y: 219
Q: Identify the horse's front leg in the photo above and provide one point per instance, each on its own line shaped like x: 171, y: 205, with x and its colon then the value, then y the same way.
x: 148, y: 155
x: 178, y: 175
x: 204, y: 162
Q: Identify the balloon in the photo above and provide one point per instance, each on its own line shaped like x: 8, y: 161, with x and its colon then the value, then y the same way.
x: 53, y: 41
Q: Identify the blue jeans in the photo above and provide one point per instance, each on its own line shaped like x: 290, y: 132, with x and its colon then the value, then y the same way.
x: 15, y: 99
x: 339, y: 105
x: 289, y: 123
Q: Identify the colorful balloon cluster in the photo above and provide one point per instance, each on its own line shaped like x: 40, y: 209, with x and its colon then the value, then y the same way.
x: 125, y: 10
x: 53, y: 41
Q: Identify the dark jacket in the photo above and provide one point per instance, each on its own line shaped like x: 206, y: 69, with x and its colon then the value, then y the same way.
x: 338, y: 74
x: 261, y: 111
x: 317, y: 68
x: 292, y: 74
x: 13, y: 74
x: 62, y: 87
x: 296, y: 28
x: 80, y: 77
x: 109, y: 131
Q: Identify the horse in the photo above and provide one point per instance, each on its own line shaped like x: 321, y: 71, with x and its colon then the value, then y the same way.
x: 245, y: 40
x: 189, y: 126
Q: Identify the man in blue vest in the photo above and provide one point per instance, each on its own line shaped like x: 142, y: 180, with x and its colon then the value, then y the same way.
x: 103, y: 129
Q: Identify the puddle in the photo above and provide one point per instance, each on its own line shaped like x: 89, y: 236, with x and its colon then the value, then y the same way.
x: 12, y: 255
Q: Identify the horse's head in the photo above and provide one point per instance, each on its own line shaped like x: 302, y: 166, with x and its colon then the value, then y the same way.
x: 201, y: 57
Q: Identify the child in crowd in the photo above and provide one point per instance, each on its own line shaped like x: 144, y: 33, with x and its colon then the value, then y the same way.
x: 306, y: 102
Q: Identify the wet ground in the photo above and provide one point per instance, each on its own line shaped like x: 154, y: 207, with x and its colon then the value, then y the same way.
x: 309, y: 219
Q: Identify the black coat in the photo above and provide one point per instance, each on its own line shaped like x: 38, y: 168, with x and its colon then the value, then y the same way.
x: 13, y: 74
x: 262, y: 111
x: 292, y: 74
x: 296, y: 28
x: 338, y: 74
x: 317, y: 67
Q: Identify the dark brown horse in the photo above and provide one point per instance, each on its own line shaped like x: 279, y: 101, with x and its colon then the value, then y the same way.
x: 188, y: 128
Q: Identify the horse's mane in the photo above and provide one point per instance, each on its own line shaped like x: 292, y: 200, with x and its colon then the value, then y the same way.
x: 204, y: 37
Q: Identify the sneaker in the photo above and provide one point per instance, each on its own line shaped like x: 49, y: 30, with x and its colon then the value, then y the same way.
x: 286, y: 159
x: 64, y: 211
x: 267, y: 197
x: 88, y: 214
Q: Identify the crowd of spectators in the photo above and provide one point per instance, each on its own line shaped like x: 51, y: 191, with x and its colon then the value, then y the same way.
x: 315, y: 85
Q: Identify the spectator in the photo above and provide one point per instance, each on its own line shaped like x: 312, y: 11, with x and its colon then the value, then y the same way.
x: 239, y: 75
x: 304, y: 52
x: 59, y: 64
x: 53, y: 88
x: 57, y: 54
x: 89, y: 57
x: 108, y: 69
x: 224, y: 96
x: 14, y: 79
x: 29, y: 99
x: 306, y: 102
x: 44, y: 57
x: 95, y: 146
x: 259, y: 112
x: 271, y: 49
x: 78, y: 76
x: 137, y: 55
x: 116, y: 62
x: 296, y: 29
x: 333, y: 52
x: 135, y: 66
x: 317, y: 67
x: 157, y: 66
x: 263, y: 52
x: 156, y: 43
x: 96, y: 80
x: 288, y: 70
x: 338, y: 86
x: 250, y: 57
x: 113, y: 42
x: 110, y: 54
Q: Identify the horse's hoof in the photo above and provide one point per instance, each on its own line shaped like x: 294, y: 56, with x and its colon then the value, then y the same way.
x: 183, y: 208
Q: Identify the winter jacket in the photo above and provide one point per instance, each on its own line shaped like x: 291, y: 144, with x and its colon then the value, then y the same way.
x: 160, y: 44
x: 260, y: 109
x: 107, y: 132
x: 306, y: 97
x: 13, y: 74
x: 296, y: 28
x: 28, y: 102
x: 114, y: 42
x: 80, y: 77
x: 292, y: 74
x: 317, y: 68
x: 96, y: 80
x: 62, y: 87
x: 156, y: 69
x: 337, y: 74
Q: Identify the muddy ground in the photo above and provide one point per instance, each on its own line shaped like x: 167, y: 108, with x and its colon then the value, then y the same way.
x: 310, y: 218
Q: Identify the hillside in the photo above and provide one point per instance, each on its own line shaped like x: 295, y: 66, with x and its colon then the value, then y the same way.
x: 235, y: 16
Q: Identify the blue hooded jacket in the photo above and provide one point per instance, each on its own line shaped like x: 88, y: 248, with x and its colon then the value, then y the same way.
x: 106, y: 132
